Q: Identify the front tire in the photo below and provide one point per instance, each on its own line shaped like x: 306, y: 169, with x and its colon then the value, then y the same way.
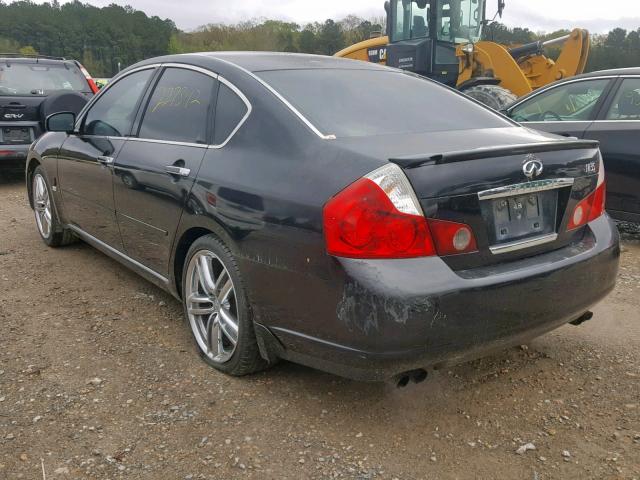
x: 217, y: 310
x: 493, y: 96
x: 49, y: 226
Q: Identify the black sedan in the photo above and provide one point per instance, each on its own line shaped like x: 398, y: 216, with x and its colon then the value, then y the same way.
x: 603, y: 106
x: 338, y: 214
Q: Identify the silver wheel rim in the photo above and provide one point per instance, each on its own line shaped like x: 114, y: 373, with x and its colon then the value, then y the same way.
x: 42, y: 205
x: 212, y: 306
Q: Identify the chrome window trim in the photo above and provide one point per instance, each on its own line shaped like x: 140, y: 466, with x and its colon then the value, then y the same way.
x: 91, y: 239
x: 97, y: 97
x: 293, y: 109
x: 616, y: 121
x: 246, y: 101
x: 187, y: 66
x: 526, y: 188
x: 184, y: 66
x: 168, y: 142
x: 550, y: 87
x: 521, y: 244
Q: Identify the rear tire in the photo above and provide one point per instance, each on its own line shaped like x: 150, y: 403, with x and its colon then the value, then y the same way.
x: 51, y: 230
x: 217, y: 310
x: 493, y: 96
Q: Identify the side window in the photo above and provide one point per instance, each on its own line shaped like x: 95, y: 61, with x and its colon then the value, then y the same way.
x: 570, y: 102
x: 230, y: 110
x: 626, y: 105
x: 179, y: 107
x: 402, y: 30
x: 113, y: 113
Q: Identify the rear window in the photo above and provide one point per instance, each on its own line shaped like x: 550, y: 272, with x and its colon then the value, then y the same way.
x: 353, y: 103
x: 40, y: 79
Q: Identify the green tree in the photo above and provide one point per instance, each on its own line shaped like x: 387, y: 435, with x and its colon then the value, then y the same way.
x: 28, y: 50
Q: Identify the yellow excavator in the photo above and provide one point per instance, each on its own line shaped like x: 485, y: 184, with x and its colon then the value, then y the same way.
x: 441, y: 39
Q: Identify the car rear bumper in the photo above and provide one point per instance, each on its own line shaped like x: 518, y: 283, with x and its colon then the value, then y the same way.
x: 400, y: 315
x: 13, y: 154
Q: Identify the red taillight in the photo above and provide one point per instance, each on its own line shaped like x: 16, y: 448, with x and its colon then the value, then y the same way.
x: 452, y: 238
x: 593, y: 206
x: 92, y: 84
x: 362, y: 222
x: 379, y: 216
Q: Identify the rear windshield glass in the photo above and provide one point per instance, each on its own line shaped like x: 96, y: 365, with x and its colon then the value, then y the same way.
x: 40, y: 79
x: 353, y: 103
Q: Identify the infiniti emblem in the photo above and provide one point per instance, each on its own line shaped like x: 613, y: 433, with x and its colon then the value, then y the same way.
x: 532, y: 167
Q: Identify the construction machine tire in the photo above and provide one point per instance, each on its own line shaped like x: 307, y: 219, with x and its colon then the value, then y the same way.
x: 493, y: 96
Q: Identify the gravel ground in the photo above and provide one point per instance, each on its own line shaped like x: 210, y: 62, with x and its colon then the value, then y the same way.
x: 99, y: 380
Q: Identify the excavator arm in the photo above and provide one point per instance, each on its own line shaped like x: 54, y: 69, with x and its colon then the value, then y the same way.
x: 541, y: 70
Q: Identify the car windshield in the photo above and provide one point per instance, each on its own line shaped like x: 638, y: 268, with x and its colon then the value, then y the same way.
x: 40, y: 79
x: 353, y: 103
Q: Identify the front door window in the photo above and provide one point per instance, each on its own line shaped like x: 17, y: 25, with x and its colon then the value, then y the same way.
x: 571, y: 102
x: 113, y: 113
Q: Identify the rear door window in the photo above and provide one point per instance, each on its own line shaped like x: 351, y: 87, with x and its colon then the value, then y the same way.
x: 180, y: 107
x: 230, y: 111
x: 113, y: 112
x: 626, y: 104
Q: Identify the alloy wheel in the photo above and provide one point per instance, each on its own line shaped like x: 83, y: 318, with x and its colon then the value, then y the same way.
x: 42, y: 205
x: 212, y: 307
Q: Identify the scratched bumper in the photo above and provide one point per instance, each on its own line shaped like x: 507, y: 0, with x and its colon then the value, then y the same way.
x: 397, y: 315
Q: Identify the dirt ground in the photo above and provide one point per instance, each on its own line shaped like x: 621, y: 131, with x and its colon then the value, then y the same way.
x: 99, y: 380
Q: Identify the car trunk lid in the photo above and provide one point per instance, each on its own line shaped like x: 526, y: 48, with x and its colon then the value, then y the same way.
x: 478, y: 178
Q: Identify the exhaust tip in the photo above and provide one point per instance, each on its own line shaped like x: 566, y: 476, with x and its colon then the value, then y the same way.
x: 584, y: 318
x: 415, y: 376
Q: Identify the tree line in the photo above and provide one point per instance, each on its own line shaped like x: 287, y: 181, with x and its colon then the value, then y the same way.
x: 106, y: 39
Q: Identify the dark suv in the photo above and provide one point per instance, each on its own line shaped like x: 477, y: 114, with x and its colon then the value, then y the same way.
x: 31, y: 88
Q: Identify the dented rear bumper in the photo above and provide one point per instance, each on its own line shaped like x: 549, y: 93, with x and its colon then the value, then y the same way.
x: 392, y: 316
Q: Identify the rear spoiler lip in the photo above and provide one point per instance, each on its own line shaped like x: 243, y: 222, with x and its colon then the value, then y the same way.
x: 415, y: 161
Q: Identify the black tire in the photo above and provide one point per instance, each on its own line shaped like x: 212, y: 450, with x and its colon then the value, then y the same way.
x: 246, y: 358
x: 56, y: 235
x: 493, y: 96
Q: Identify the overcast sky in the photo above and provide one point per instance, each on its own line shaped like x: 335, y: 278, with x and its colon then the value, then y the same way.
x: 548, y: 15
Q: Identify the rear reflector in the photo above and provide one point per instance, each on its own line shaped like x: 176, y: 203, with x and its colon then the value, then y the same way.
x: 378, y: 216
x: 452, y: 238
x: 591, y: 207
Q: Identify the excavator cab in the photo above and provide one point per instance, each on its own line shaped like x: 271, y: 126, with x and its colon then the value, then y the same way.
x: 441, y: 39
x: 424, y: 35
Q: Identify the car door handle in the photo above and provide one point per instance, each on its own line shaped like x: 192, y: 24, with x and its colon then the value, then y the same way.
x: 104, y: 160
x: 178, y: 171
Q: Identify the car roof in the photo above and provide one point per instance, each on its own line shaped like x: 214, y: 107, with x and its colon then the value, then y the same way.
x: 611, y: 72
x: 10, y: 58
x: 264, y: 61
x: 261, y: 61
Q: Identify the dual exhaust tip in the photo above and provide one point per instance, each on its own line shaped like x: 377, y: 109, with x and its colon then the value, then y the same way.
x: 415, y: 376
x: 420, y: 375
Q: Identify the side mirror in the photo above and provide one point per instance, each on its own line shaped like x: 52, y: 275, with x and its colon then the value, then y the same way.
x: 501, y: 6
x: 61, y: 122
